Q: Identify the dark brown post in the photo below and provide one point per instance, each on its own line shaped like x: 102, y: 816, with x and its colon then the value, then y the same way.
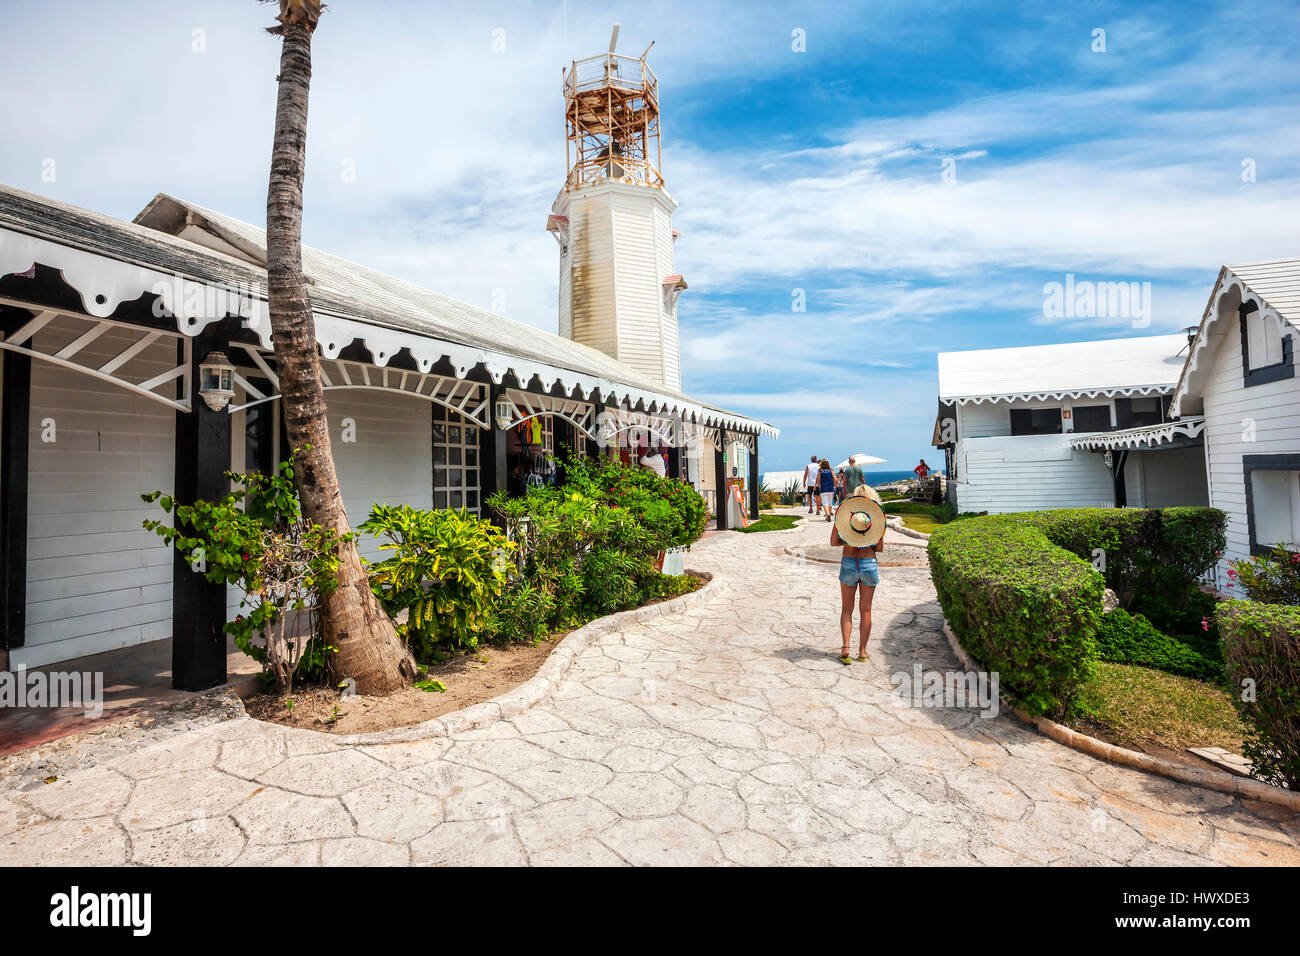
x: 13, y: 498
x: 202, y: 458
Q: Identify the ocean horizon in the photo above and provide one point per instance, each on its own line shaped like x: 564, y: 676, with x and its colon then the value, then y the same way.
x: 885, y: 477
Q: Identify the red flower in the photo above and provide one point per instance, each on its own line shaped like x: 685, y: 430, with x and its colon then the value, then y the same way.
x: 1205, y: 624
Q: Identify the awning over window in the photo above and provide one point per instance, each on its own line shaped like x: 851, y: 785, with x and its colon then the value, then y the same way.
x: 1177, y: 434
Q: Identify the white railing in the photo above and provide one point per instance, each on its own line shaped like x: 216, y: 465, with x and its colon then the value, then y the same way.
x: 612, y: 70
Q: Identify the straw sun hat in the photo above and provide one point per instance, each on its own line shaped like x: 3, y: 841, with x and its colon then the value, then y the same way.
x: 860, y: 520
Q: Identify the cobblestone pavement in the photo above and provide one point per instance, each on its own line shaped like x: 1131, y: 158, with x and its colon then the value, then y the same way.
x: 724, y: 734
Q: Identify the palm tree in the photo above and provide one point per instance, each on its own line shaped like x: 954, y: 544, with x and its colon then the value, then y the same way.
x: 369, y: 650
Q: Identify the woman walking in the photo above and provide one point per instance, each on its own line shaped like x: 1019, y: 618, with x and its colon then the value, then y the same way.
x: 860, y: 528
x: 826, y: 485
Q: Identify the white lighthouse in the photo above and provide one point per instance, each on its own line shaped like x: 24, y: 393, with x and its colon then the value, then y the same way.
x: 613, y: 218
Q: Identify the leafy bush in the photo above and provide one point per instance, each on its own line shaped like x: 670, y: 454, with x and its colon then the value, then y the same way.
x: 1139, y: 551
x: 446, y: 570
x: 1261, y: 646
x: 587, y: 558
x: 1021, y: 591
x: 1023, y: 606
x: 1272, y: 578
x: 1132, y: 639
x: 256, y: 539
x: 590, y: 547
x: 670, y: 510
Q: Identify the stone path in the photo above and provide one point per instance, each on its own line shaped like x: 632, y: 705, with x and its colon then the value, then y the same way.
x: 725, y: 734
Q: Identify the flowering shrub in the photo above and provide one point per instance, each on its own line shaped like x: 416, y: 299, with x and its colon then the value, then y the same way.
x: 1272, y: 578
x: 670, y: 510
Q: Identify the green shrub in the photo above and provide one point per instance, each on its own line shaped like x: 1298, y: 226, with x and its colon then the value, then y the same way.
x: 1132, y: 639
x: 1024, y: 607
x: 445, y: 570
x: 256, y: 539
x: 1272, y: 578
x: 591, y: 546
x: 522, y: 613
x: 1139, y: 551
x: 1261, y: 646
x: 1018, y: 589
x: 671, y: 511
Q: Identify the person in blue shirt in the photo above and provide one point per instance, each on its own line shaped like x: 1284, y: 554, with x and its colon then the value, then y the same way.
x: 826, y: 486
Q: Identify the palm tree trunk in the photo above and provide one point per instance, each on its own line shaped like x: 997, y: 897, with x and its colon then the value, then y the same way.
x: 369, y: 650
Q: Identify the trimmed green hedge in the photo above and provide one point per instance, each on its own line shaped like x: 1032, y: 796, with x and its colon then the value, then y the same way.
x: 1023, y: 606
x: 1137, y: 550
x: 1022, y: 594
x: 1261, y: 646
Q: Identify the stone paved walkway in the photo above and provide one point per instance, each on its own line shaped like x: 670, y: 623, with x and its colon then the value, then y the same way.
x: 725, y: 734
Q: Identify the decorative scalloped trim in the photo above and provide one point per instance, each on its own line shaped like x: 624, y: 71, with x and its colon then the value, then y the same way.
x: 1071, y: 393
x: 1227, y: 282
x: 105, y: 283
x: 1141, y: 437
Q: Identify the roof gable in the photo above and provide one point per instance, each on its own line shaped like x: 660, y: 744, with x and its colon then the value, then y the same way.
x: 1273, y: 286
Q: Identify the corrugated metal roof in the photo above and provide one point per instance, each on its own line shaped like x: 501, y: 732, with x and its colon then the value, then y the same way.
x: 1145, y: 365
x: 1277, y: 281
x: 339, y: 287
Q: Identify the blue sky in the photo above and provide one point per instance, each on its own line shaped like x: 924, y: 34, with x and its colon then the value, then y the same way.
x: 819, y: 171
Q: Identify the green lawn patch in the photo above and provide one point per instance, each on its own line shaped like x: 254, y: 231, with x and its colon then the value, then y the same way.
x: 770, y: 523
x: 923, y: 523
x: 1133, y: 705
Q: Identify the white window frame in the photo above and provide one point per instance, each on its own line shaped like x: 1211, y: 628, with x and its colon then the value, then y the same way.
x: 454, y: 454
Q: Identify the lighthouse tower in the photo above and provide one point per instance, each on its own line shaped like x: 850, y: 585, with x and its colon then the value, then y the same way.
x: 613, y: 218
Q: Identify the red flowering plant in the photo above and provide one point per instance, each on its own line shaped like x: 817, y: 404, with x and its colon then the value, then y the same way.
x: 1272, y: 578
x: 257, y: 539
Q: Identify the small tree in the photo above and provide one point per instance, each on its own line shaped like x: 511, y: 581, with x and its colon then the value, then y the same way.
x: 257, y: 539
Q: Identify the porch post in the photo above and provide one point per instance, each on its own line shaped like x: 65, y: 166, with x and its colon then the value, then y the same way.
x: 753, y: 480
x: 1120, y: 459
x: 13, y: 497
x: 492, y: 449
x: 720, y: 478
x: 202, y: 457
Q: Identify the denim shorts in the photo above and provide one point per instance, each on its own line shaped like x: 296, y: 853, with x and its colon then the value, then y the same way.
x: 855, y: 571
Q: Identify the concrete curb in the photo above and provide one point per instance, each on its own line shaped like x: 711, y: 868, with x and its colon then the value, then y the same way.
x: 537, y: 688
x: 1245, y: 787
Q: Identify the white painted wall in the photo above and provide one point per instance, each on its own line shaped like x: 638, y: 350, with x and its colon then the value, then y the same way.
x: 1030, y: 473
x: 1166, y: 478
x: 391, y: 460
x: 611, y: 281
x: 1261, y: 420
x: 96, y: 580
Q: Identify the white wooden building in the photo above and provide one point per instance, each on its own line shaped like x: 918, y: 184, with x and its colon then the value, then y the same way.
x: 1240, y: 378
x: 432, y: 402
x: 1071, y: 425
